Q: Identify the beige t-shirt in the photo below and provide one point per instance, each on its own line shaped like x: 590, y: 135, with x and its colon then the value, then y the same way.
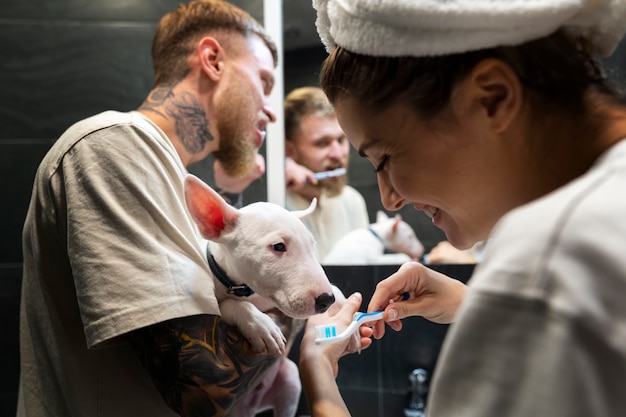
x: 108, y: 248
x: 333, y: 218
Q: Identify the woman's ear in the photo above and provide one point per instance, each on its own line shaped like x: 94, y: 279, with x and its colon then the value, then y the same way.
x: 497, y: 91
x: 211, y: 57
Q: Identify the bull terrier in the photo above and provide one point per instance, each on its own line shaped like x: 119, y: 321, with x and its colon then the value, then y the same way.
x: 366, y: 246
x: 262, y: 256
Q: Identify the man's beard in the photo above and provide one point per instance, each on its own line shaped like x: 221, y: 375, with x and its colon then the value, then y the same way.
x: 333, y: 187
x: 237, y: 151
x: 236, y: 155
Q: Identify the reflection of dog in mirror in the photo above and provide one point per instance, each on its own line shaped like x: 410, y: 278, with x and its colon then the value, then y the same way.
x: 370, y: 245
x: 262, y: 256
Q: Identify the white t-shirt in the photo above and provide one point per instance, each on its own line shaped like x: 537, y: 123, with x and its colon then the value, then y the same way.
x: 333, y: 217
x: 108, y: 248
x: 542, y: 330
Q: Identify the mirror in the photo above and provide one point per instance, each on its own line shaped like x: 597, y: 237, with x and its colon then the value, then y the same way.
x: 302, y: 57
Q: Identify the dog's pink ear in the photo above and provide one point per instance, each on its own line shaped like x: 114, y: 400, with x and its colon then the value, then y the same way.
x: 207, y: 208
x: 396, y: 222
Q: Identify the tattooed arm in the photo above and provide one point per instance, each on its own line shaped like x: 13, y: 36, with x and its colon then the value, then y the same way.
x: 200, y: 365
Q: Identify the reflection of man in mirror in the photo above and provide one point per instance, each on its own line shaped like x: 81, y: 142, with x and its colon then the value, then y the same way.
x: 316, y: 144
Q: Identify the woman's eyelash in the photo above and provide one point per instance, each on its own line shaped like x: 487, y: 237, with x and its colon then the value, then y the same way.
x: 382, y: 164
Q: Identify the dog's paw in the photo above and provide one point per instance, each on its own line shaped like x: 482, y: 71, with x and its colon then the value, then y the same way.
x: 260, y: 329
x: 265, y: 336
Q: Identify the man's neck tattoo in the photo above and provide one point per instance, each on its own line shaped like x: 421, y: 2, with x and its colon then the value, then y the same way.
x: 190, y: 120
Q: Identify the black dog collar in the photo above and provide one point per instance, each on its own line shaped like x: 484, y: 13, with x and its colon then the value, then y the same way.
x: 222, y: 276
x: 376, y: 234
x: 385, y: 251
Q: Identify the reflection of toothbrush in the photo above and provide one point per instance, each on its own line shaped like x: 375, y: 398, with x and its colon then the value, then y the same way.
x: 329, y: 174
x: 328, y: 333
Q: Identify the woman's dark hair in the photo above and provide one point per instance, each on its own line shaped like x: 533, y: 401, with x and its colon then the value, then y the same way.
x: 556, y: 68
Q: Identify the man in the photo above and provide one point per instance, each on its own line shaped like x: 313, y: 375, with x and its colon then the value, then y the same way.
x: 118, y: 309
x: 316, y: 143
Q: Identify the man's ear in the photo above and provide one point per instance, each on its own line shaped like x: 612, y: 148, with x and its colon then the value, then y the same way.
x: 290, y: 149
x: 497, y: 91
x: 211, y: 57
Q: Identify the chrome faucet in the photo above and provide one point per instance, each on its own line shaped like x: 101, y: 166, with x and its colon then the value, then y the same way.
x: 416, y: 394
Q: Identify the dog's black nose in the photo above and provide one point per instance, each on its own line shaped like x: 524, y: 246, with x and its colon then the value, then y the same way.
x: 323, y: 302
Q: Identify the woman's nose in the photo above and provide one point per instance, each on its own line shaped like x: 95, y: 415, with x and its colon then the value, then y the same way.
x: 389, y: 197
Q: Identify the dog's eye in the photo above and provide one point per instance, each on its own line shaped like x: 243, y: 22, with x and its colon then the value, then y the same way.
x: 279, y: 247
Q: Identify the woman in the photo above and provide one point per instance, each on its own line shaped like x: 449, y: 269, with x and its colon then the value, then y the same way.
x: 496, y: 120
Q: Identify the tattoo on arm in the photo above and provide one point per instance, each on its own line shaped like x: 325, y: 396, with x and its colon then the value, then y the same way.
x: 190, y: 120
x: 200, y: 365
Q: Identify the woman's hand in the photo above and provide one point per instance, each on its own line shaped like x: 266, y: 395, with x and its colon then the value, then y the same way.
x: 340, y: 314
x: 445, y: 253
x: 319, y: 363
x: 432, y: 295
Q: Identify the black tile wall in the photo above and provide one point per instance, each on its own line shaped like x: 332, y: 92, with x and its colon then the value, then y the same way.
x: 54, y: 72
x: 10, y: 283
x: 46, y: 10
x: 61, y: 72
x: 18, y: 163
x: 135, y: 10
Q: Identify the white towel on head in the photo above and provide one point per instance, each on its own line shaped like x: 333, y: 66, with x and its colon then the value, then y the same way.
x: 438, y: 27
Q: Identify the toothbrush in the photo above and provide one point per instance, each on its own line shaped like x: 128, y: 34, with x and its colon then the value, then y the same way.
x: 327, y: 334
x: 329, y: 174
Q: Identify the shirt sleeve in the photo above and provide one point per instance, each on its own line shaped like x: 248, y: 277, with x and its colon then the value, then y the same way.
x: 135, y: 253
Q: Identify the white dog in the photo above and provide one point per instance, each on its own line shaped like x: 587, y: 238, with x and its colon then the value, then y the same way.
x: 368, y: 245
x: 262, y: 256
